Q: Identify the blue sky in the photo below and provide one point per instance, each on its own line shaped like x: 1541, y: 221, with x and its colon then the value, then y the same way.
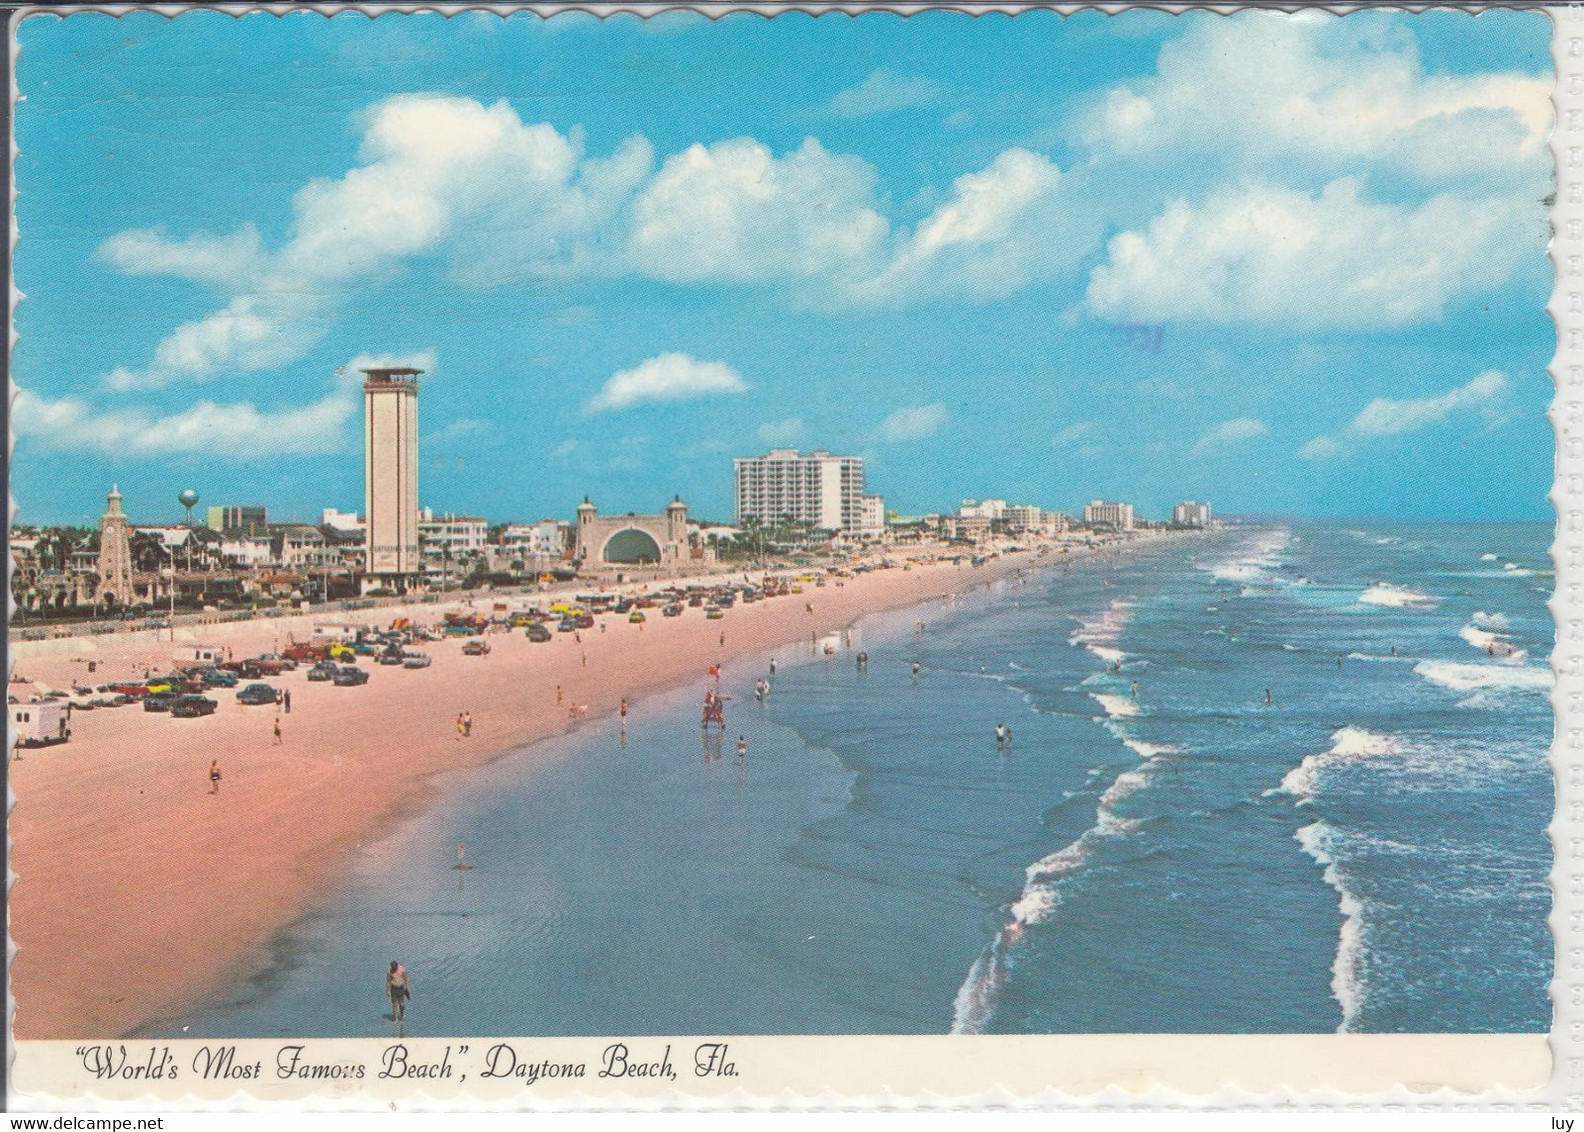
x: 1291, y: 265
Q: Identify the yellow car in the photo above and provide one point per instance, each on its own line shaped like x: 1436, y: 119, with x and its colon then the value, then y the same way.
x: 636, y: 617
x: 339, y: 650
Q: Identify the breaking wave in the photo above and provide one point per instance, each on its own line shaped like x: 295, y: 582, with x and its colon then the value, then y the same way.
x: 1399, y: 597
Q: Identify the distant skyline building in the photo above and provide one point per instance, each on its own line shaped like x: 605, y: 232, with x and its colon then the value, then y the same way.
x: 390, y: 477
x: 249, y: 517
x: 1103, y: 514
x: 1191, y: 514
x: 825, y: 490
x: 992, y: 509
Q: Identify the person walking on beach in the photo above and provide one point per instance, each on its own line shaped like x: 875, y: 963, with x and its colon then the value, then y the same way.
x: 277, y: 731
x: 723, y: 640
x: 772, y: 668
x: 461, y: 727
x: 742, y: 748
x: 467, y: 725
x: 558, y: 695
x: 624, y: 707
x: 214, y: 776
x: 399, y: 987
x: 286, y: 700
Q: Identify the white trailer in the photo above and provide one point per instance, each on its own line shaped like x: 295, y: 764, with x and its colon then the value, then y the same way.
x: 200, y: 654
x: 39, y: 725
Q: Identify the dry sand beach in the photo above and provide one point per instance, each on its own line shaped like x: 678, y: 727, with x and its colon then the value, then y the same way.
x: 139, y: 893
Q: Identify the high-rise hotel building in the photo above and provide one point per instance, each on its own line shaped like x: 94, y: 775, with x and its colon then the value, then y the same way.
x: 819, y: 488
x: 390, y: 478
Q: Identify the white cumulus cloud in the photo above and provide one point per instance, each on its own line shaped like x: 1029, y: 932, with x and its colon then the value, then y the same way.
x: 1269, y: 254
x: 1388, y: 416
x: 1228, y: 434
x: 913, y: 424
x: 1001, y: 228
x: 735, y: 211
x: 1265, y: 89
x: 668, y: 377
x: 239, y: 431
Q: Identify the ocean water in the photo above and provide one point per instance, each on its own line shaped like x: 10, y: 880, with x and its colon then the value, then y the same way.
x: 1288, y: 779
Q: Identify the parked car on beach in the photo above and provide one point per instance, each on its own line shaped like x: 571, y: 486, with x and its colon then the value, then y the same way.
x: 322, y: 671
x: 159, y: 701
x: 415, y: 660
x: 256, y: 694
x: 191, y: 707
x: 349, y: 677
x: 537, y: 633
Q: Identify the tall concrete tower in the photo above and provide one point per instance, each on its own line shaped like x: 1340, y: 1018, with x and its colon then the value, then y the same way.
x: 115, y: 553
x: 390, y: 478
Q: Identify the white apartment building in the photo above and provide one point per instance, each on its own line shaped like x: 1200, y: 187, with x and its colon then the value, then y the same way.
x: 460, y: 534
x: 825, y: 490
x: 548, y: 538
x: 1101, y: 513
x: 1191, y: 514
x: 873, y: 520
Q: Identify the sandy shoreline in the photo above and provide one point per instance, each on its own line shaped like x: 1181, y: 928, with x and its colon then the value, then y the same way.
x: 139, y: 894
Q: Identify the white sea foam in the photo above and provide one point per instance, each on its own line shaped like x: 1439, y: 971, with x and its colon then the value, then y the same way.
x: 1347, y: 970
x: 1487, y: 558
x: 976, y: 998
x: 1495, y: 621
x: 1303, y: 780
x: 1400, y: 597
x: 1100, y: 633
x: 1116, y: 705
x: 1492, y: 644
x: 1151, y: 751
x: 1125, y: 784
x: 1477, y: 677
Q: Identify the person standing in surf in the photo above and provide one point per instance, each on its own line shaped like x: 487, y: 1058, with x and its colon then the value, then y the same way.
x: 399, y: 987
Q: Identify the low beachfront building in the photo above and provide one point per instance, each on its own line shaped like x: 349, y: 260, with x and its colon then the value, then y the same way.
x: 1116, y: 516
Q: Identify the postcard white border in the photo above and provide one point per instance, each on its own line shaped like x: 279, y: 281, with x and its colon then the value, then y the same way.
x: 1443, y: 1073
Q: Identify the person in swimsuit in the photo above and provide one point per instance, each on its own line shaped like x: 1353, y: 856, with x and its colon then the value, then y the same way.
x: 399, y: 987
